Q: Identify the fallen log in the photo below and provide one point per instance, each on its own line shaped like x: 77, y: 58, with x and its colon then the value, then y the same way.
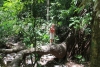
x: 13, y: 50
x: 13, y: 47
x: 58, y: 50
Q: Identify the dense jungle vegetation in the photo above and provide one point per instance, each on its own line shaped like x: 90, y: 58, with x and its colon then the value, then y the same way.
x: 24, y: 33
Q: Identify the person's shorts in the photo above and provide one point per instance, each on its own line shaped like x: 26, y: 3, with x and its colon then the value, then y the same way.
x: 51, y: 36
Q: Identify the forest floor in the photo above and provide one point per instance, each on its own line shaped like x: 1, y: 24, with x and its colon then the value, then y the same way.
x: 28, y: 63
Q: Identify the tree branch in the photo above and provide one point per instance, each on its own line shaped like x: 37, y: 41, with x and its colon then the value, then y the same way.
x: 12, y: 50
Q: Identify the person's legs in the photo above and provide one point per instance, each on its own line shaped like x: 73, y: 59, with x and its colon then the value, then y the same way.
x: 51, y: 38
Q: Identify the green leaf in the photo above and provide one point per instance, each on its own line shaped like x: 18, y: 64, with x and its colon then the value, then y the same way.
x: 31, y: 45
x: 78, y: 56
x: 60, y: 23
x: 0, y: 57
x: 71, y: 24
x: 83, y: 59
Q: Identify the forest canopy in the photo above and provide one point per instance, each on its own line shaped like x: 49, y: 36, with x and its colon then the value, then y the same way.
x: 25, y: 24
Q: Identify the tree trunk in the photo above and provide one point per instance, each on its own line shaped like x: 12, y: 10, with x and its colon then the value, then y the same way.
x: 47, y: 10
x: 58, y: 50
x: 95, y: 45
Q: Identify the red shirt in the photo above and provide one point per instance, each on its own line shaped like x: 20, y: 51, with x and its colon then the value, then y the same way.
x: 52, y: 30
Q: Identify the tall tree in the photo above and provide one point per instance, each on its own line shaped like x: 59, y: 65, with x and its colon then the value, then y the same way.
x: 95, y: 46
x: 47, y: 10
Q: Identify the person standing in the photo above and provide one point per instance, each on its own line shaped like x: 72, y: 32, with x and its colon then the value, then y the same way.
x: 52, y: 33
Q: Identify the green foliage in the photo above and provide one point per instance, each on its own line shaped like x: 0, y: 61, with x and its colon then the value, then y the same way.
x: 27, y: 18
x: 80, y: 58
x: 1, y: 2
x: 22, y: 18
x: 13, y: 6
x: 55, y: 11
x: 83, y: 17
x: 8, y: 17
x: 14, y: 25
x: 81, y: 22
x: 39, y: 1
x: 0, y: 57
x: 75, y: 22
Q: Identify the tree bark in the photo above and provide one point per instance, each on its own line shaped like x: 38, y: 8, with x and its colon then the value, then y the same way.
x: 58, y: 50
x: 95, y: 46
x: 47, y: 10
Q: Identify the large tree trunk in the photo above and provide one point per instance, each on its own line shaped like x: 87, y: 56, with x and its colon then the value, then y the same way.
x: 58, y: 50
x: 95, y: 46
